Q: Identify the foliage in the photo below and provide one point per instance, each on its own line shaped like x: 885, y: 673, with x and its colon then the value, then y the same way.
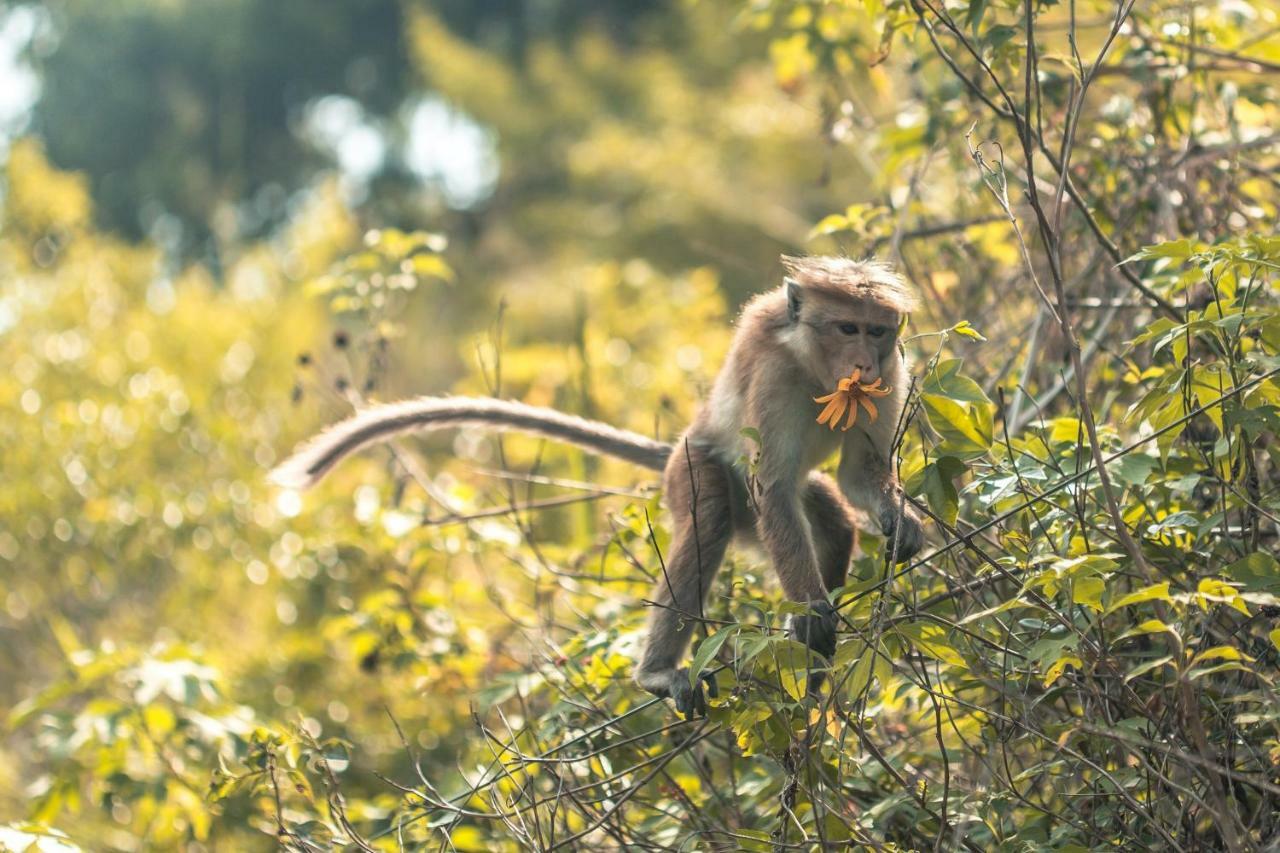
x: 203, y: 138
x: 197, y: 131
x: 438, y: 653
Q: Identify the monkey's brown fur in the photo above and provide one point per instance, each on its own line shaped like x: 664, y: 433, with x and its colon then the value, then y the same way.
x: 793, y: 344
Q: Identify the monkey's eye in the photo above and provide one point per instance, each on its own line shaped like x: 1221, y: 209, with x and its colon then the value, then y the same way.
x: 848, y: 328
x: 876, y: 331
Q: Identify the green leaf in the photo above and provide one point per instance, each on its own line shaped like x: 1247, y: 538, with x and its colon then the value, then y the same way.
x: 973, y: 18
x: 854, y: 665
x: 337, y: 755
x: 1257, y: 572
x: 707, y: 650
x: 1050, y: 648
x: 945, y: 380
x: 753, y: 840
x: 1144, y: 668
x: 1156, y: 329
x: 1133, y: 469
x: 962, y: 430
x: 936, y: 483
x: 931, y: 640
x: 997, y: 36
x: 1085, y: 565
x: 793, y: 663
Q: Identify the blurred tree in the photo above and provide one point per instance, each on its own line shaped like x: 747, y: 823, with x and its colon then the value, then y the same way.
x: 193, y: 109
x: 510, y: 26
x: 194, y: 120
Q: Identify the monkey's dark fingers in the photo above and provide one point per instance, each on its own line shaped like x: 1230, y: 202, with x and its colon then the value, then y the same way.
x: 903, y: 533
x: 815, y: 681
x: 683, y: 693
x: 817, y: 629
x: 690, y: 699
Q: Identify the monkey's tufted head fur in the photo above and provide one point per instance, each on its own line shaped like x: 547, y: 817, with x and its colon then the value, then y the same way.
x: 868, y: 281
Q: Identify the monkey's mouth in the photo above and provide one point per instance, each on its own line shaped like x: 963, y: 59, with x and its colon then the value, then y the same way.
x: 851, y: 394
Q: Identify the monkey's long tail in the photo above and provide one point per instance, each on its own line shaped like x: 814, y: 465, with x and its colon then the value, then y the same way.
x: 315, y: 457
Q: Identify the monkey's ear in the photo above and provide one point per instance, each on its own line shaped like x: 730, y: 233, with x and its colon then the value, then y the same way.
x: 793, y: 298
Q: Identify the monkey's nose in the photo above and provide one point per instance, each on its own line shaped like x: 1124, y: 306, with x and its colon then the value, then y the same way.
x: 867, y: 372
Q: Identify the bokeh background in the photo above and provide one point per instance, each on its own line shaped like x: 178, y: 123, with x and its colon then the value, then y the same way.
x: 227, y: 223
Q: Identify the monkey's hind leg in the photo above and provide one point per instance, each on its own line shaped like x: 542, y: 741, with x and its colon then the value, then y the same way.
x: 698, y: 492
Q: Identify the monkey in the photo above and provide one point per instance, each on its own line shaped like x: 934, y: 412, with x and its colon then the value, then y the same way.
x: 793, y: 343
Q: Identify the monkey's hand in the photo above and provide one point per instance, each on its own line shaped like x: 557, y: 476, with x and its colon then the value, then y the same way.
x: 690, y: 699
x: 901, y: 532
x: 816, y: 629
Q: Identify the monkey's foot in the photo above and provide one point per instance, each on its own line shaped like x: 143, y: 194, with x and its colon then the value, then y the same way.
x: 817, y: 630
x: 690, y: 699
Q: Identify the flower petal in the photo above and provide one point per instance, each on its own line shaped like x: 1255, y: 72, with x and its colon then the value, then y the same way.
x: 853, y: 414
x: 870, y: 407
x: 834, y: 410
x: 840, y: 403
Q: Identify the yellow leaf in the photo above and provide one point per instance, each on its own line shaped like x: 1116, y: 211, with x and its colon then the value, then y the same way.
x: 1220, y: 653
x: 1150, y: 626
x: 1059, y: 666
x: 1151, y: 593
x: 931, y: 640
x: 1088, y: 592
x: 965, y: 329
x: 1214, y: 590
x: 944, y: 281
x: 829, y: 225
x: 860, y: 672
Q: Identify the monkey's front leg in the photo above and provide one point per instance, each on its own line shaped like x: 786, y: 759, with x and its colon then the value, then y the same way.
x: 785, y: 535
x: 867, y: 479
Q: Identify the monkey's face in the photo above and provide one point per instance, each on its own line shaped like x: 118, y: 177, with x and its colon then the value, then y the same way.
x: 850, y: 336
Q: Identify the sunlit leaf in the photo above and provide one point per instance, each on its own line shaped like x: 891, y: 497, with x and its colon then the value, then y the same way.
x: 931, y: 640
x: 1155, y: 592
x: 707, y: 650
x: 1058, y: 667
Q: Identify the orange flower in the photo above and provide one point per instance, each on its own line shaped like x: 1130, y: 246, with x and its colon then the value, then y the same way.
x: 849, y: 394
